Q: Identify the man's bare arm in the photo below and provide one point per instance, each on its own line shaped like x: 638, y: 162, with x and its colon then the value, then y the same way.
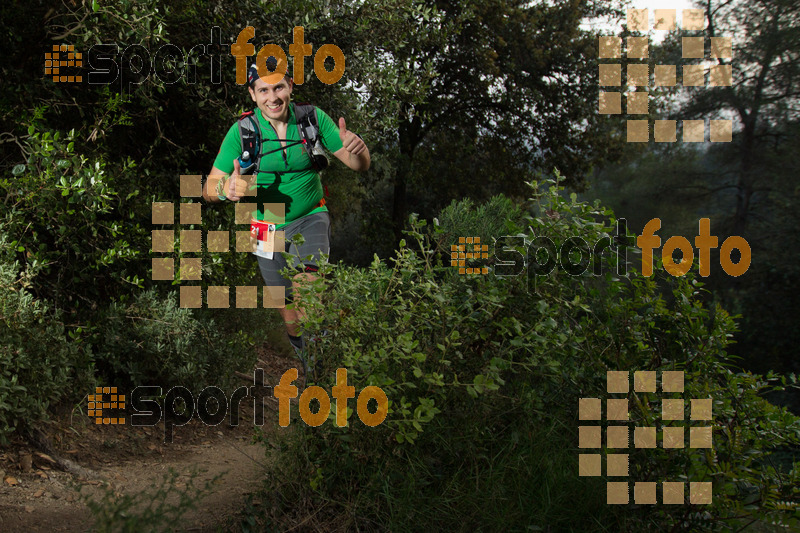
x: 210, y: 189
x: 234, y: 187
x: 354, y: 152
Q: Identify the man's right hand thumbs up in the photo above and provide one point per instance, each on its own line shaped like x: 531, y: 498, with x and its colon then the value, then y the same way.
x: 236, y: 187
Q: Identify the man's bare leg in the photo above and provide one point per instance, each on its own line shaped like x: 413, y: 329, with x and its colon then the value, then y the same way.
x: 290, y: 319
x: 293, y: 317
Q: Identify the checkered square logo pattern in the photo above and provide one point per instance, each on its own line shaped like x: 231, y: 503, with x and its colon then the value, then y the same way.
x: 637, y: 75
x: 468, y: 248
x: 672, y: 432
x: 167, y: 239
x: 62, y: 55
x: 103, y: 402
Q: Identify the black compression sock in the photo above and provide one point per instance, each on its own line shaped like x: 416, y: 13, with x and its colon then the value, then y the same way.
x: 297, y: 342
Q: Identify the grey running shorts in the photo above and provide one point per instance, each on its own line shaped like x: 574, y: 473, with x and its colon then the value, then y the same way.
x: 316, y: 230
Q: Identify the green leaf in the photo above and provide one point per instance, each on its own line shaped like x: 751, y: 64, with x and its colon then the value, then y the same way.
x: 17, y: 170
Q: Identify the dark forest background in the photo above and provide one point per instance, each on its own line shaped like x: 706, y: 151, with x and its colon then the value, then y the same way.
x: 461, y: 104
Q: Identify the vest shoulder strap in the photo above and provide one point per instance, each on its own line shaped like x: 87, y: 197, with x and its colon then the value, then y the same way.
x: 306, y: 117
x: 250, y: 136
x: 248, y: 128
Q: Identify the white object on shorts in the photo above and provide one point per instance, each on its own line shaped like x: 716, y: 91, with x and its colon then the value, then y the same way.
x: 266, y: 247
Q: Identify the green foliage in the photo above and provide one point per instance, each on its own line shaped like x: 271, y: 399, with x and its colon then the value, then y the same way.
x: 157, y: 509
x: 487, y: 221
x: 483, y: 376
x: 444, y: 105
x: 152, y: 341
x: 748, y: 186
x: 483, y: 373
x: 37, y: 364
x: 60, y: 217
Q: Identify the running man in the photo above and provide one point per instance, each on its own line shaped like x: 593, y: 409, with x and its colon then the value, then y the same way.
x: 285, y: 175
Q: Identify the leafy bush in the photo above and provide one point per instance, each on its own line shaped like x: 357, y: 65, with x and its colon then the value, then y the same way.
x: 61, y: 214
x: 483, y: 376
x: 487, y: 221
x: 77, y: 227
x: 151, y: 340
x: 157, y: 509
x: 37, y: 364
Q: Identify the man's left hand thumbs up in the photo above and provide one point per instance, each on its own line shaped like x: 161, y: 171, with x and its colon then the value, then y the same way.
x: 351, y: 142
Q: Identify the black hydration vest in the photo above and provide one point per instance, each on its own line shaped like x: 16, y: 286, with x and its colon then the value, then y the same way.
x: 306, y: 117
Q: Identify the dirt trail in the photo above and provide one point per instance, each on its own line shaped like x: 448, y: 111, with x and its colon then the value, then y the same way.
x: 36, y: 496
x: 48, y: 500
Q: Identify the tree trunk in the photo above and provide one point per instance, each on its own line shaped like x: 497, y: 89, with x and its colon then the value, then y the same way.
x: 399, y: 208
x: 409, y: 137
x: 744, y: 186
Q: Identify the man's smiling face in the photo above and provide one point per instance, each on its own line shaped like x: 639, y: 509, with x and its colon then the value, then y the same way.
x: 272, y: 100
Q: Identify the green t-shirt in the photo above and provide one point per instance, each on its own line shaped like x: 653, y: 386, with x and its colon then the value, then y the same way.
x: 284, y: 176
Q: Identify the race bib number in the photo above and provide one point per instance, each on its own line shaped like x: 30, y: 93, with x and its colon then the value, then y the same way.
x: 262, y: 239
